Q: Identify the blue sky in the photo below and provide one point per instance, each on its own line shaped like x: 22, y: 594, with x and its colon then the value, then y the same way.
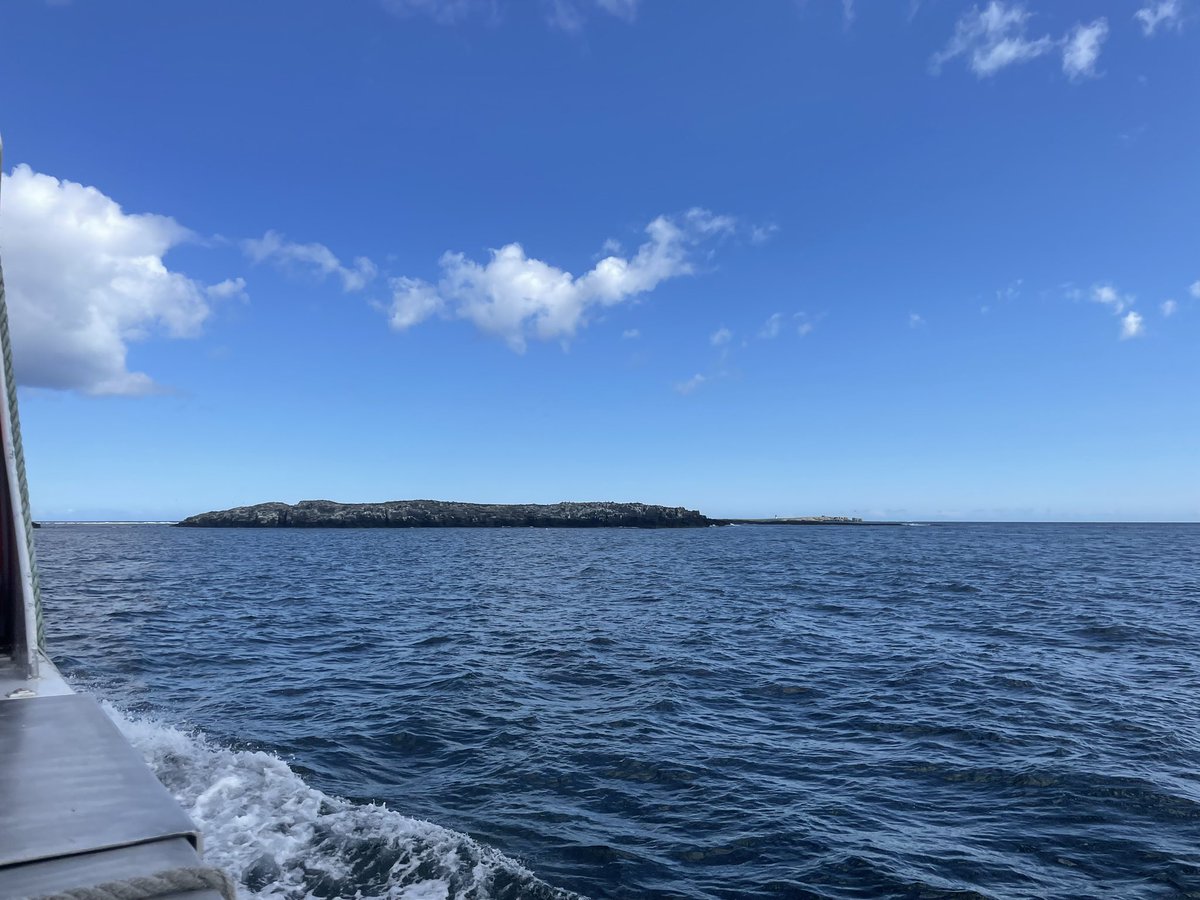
x: 897, y: 260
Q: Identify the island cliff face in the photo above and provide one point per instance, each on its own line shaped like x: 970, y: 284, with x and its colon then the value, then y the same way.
x: 443, y: 514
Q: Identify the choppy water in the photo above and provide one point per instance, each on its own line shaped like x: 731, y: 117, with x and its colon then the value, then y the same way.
x: 944, y: 711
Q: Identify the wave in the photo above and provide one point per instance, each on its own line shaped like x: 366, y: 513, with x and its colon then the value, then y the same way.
x: 283, y: 839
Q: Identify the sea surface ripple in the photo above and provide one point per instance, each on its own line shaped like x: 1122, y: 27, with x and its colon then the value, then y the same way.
x: 942, y: 711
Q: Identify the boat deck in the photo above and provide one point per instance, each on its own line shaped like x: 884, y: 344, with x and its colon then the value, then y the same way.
x: 78, y: 805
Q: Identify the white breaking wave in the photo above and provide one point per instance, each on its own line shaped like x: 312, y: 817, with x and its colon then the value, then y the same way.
x: 285, y: 840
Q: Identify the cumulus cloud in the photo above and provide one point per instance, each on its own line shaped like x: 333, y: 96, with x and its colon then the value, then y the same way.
x: 1162, y: 13
x: 1169, y: 308
x: 516, y: 297
x: 720, y: 337
x: 991, y: 39
x: 1081, y: 49
x: 1131, y: 325
x: 413, y: 301
x: 318, y: 259
x: 85, y: 279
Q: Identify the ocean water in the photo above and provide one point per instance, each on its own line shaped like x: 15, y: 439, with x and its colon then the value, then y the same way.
x: 940, y: 711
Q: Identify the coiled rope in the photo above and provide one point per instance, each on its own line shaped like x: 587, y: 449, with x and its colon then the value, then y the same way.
x: 18, y: 452
x: 22, y: 483
x: 148, y: 887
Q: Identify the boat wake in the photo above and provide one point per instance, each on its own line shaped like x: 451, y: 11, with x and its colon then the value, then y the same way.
x: 282, y: 839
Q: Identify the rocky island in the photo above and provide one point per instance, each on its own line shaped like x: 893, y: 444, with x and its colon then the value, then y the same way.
x: 444, y: 514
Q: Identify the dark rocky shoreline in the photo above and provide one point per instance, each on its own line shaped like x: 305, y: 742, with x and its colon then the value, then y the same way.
x: 444, y: 514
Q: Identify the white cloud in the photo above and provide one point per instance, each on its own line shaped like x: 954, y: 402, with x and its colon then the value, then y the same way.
x: 1167, y: 13
x: 85, y: 279
x: 1131, y: 326
x: 1194, y: 290
x: 564, y: 15
x: 771, y: 327
x: 686, y: 387
x: 762, y: 233
x: 622, y: 9
x: 721, y: 336
x: 516, y: 297
x: 1108, y: 295
x: 413, y: 301
x: 991, y: 39
x: 444, y: 12
x: 915, y: 320
x: 1131, y: 322
x: 274, y: 248
x: 1082, y: 49
x: 1169, y: 308
x: 1011, y: 292
x: 570, y: 15
x: 847, y: 12
x: 229, y: 289
x: 804, y: 325
x: 630, y: 334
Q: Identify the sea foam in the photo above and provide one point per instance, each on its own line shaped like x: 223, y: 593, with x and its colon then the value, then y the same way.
x: 283, y: 839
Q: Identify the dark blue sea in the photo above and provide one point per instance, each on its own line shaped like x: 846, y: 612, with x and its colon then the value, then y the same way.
x: 759, y: 712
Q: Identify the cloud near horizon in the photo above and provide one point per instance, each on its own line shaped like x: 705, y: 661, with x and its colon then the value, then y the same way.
x: 84, y: 280
x: 516, y: 297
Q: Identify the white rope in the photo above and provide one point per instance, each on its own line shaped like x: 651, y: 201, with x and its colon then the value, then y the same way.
x: 148, y: 887
x: 21, y: 488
